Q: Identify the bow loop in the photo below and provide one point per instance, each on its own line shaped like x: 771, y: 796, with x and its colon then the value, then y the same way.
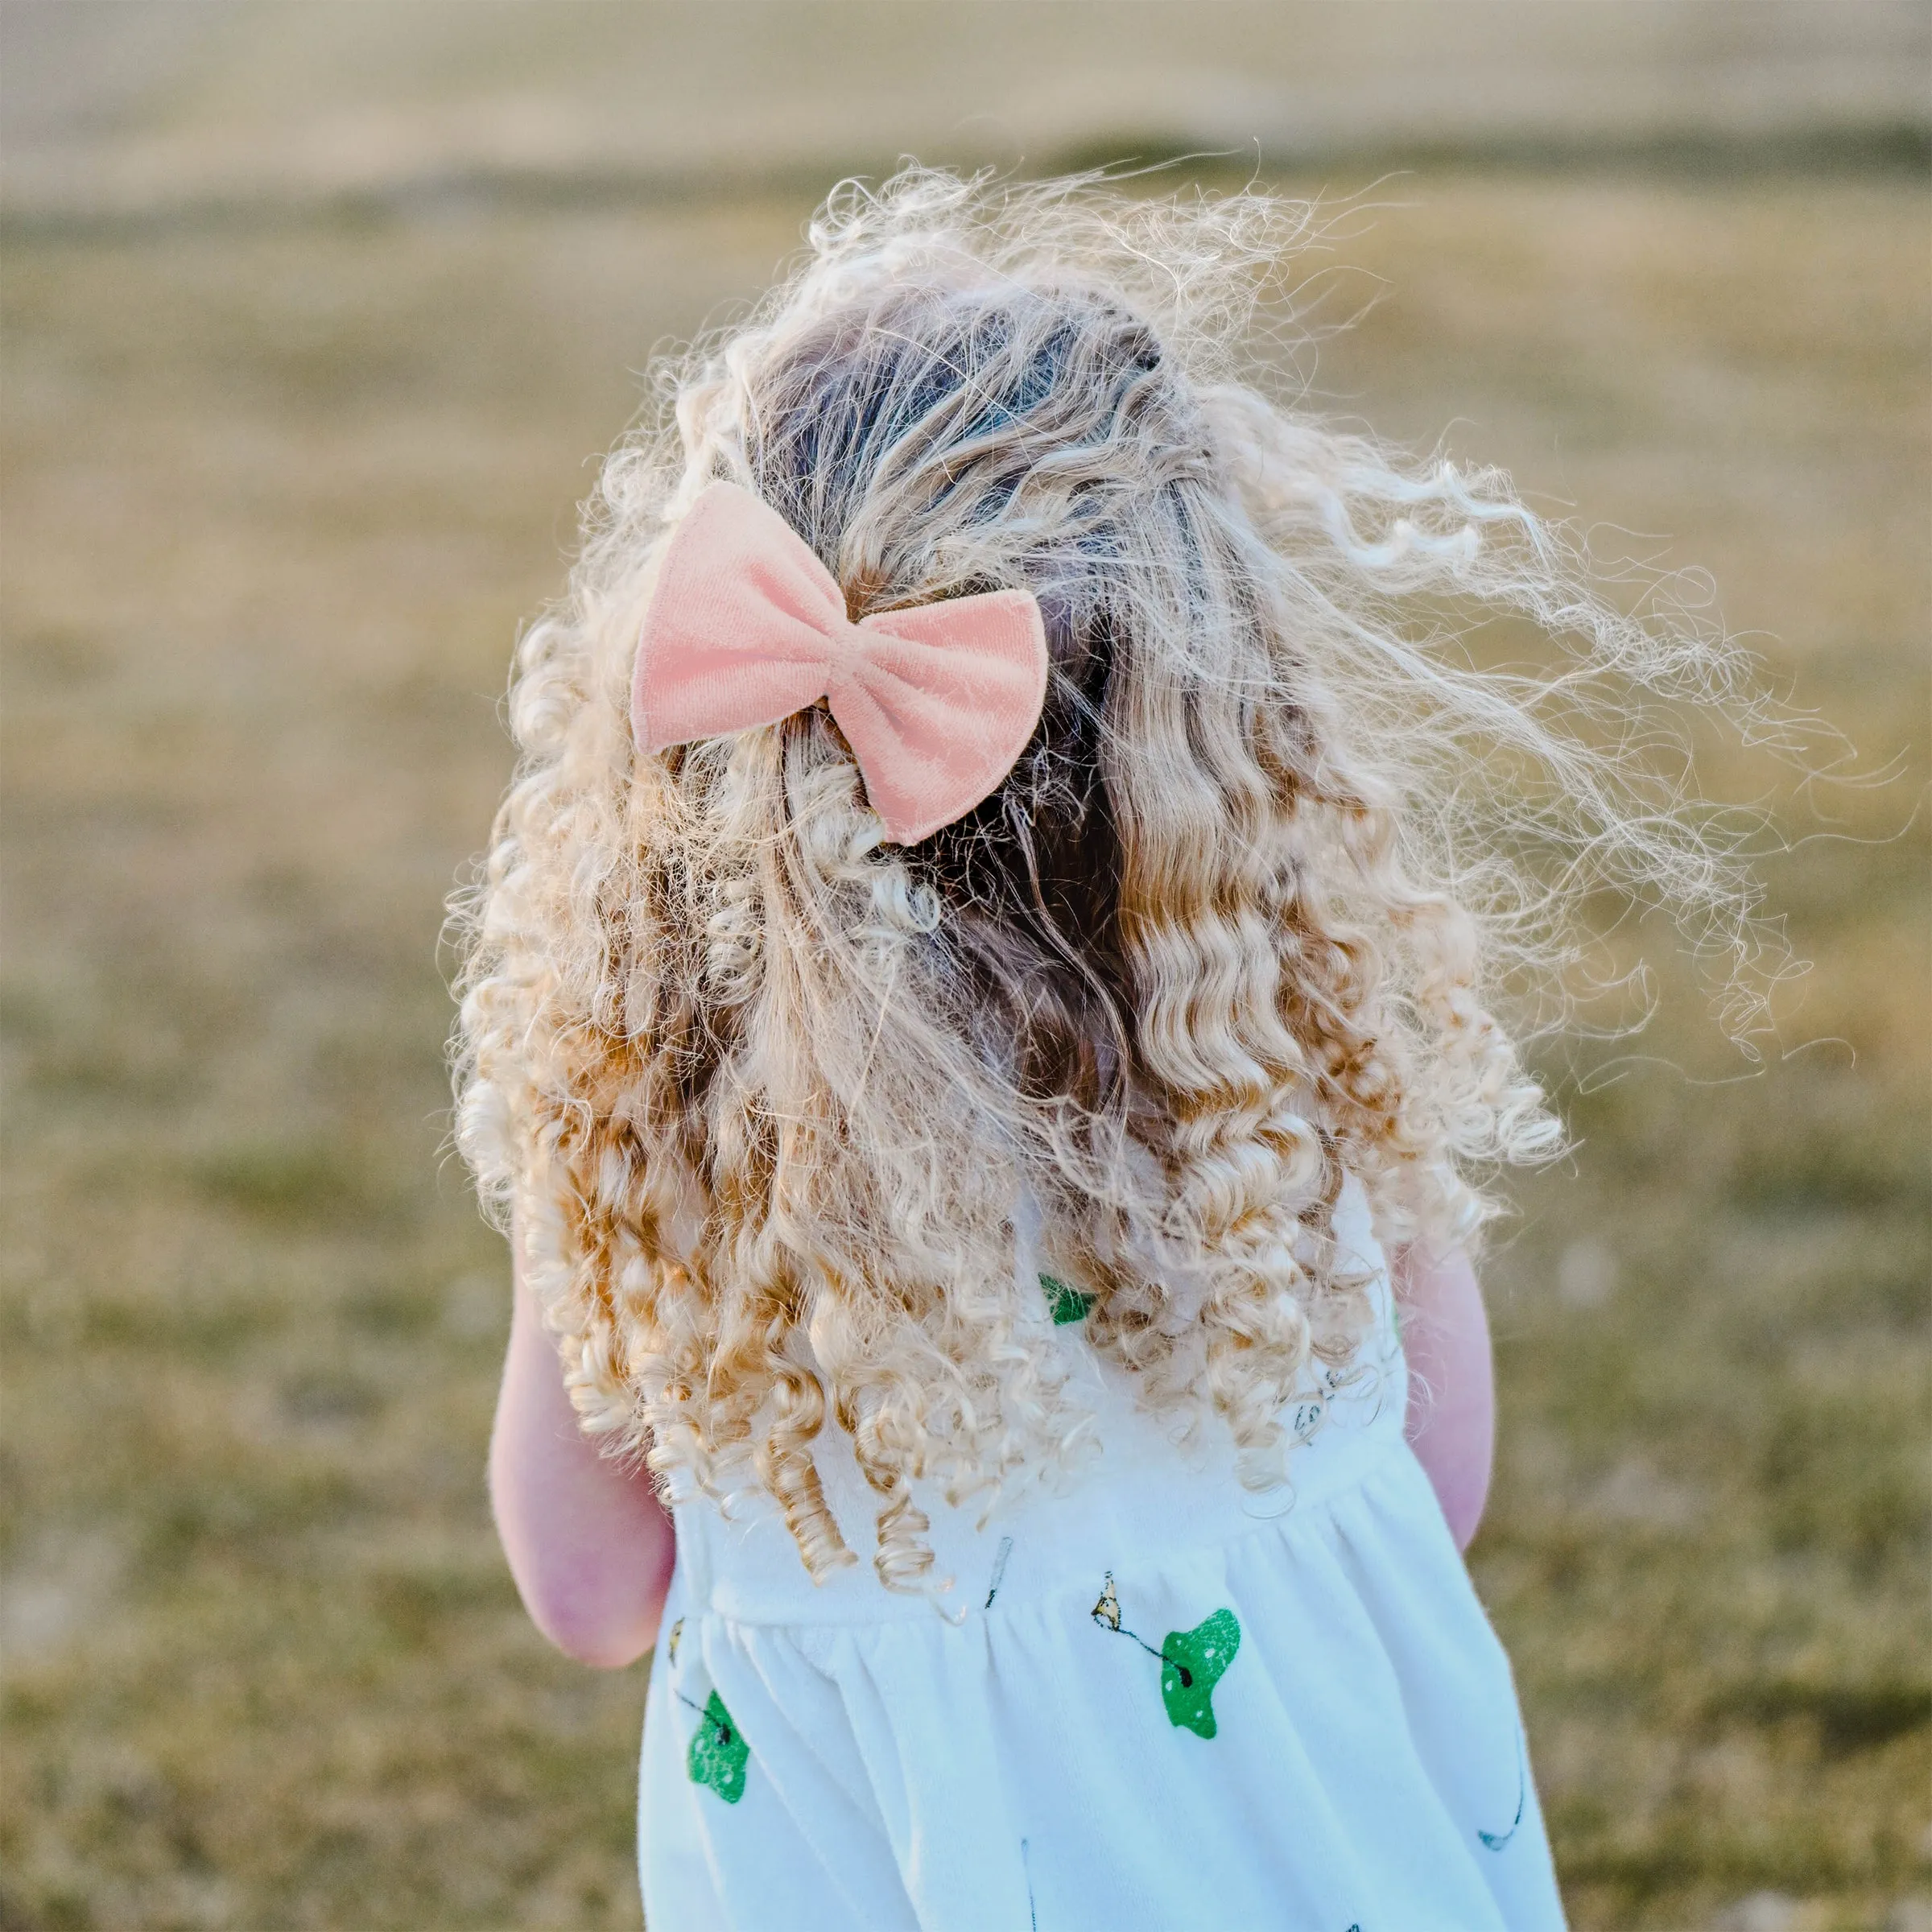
x: 747, y: 626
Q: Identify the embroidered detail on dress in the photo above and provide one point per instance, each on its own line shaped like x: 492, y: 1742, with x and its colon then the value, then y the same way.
x: 999, y: 1570
x: 1496, y: 1840
x: 1065, y: 1304
x: 1192, y: 1661
x: 1308, y: 1418
x: 718, y: 1753
x: 1108, y: 1610
x: 672, y: 1641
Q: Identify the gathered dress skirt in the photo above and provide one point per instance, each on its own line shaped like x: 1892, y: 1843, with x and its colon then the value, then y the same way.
x: 1157, y: 1703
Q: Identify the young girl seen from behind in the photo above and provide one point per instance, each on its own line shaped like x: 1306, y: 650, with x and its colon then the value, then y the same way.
x: 981, y: 1013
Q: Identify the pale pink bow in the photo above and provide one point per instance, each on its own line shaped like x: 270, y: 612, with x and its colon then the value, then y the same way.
x: 747, y: 626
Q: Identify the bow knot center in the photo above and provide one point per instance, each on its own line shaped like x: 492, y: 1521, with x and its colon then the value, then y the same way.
x: 846, y: 649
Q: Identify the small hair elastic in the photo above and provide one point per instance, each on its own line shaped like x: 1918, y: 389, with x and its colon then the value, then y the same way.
x: 746, y: 626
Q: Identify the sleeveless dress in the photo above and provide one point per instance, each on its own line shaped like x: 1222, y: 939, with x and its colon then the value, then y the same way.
x: 1170, y: 1705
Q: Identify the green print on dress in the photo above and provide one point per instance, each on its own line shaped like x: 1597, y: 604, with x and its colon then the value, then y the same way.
x: 1065, y: 1304
x: 718, y: 1754
x: 1192, y: 1661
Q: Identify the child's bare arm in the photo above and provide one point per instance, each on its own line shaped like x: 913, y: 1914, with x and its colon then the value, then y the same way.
x: 588, y: 1543
x: 1452, y: 1386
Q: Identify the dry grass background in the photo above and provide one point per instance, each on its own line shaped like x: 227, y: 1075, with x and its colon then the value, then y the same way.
x: 277, y: 493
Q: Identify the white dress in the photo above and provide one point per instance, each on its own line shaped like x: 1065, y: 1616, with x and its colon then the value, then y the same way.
x: 1171, y: 1706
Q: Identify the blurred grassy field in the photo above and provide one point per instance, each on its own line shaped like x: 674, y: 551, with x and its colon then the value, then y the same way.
x: 276, y: 499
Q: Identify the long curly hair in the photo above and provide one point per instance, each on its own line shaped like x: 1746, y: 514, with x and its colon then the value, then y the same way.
x: 770, y: 1099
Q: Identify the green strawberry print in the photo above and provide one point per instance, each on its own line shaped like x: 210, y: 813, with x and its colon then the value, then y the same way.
x: 719, y: 1753
x: 1063, y: 1303
x: 1192, y: 1662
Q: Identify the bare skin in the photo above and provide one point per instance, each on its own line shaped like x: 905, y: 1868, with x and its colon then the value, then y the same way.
x: 588, y: 1543
x: 1452, y: 1423
x: 592, y: 1548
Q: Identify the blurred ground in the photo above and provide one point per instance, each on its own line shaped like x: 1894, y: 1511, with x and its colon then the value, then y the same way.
x: 278, y: 486
x: 123, y: 108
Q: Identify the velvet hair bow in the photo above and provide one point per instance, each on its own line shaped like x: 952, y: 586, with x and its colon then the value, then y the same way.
x: 747, y: 626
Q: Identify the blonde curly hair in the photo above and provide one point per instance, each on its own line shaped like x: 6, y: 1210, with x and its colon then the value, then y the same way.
x: 767, y: 1094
